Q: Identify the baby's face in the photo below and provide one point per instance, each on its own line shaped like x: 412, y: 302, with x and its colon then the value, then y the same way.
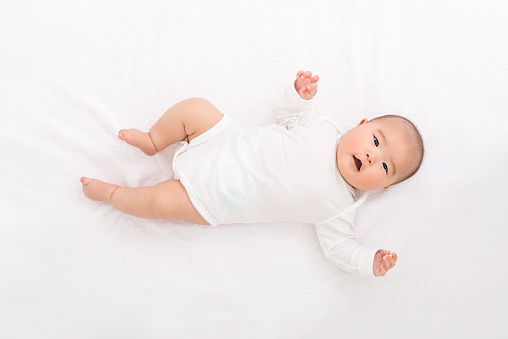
x: 376, y: 154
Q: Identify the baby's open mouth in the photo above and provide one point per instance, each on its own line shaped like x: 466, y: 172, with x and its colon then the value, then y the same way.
x: 358, y: 163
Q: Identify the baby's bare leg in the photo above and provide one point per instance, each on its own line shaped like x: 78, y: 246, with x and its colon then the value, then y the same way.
x: 185, y: 120
x: 166, y: 200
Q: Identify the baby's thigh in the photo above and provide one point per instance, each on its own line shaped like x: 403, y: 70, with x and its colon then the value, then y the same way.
x: 173, y: 202
x: 200, y: 117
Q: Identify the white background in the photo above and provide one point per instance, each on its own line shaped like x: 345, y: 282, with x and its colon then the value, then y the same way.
x: 72, y: 73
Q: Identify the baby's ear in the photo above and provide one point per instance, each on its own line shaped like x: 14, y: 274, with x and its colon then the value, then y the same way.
x: 363, y: 122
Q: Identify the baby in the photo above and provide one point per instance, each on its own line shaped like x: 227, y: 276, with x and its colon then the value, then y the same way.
x: 304, y: 169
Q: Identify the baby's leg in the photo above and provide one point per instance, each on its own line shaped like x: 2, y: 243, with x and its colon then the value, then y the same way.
x: 185, y: 120
x: 166, y: 200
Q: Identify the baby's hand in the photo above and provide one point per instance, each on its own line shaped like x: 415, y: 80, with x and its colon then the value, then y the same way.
x: 306, y: 84
x: 383, y: 262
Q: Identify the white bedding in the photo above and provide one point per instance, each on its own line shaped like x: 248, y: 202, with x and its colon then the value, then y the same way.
x: 75, y: 72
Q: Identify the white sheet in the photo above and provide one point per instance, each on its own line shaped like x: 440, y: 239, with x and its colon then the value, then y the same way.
x: 75, y: 72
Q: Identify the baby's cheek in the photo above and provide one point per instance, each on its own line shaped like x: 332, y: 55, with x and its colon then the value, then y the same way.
x: 353, y: 140
x: 373, y: 180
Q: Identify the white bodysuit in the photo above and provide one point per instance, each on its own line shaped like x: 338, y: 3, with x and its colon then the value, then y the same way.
x: 284, y: 172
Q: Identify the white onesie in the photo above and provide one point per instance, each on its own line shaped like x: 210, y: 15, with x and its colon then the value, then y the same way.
x: 284, y: 172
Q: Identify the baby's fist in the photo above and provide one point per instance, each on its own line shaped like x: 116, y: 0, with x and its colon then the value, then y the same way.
x: 383, y: 262
x: 306, y: 84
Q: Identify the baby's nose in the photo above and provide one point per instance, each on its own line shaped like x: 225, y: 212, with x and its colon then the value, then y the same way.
x: 370, y: 157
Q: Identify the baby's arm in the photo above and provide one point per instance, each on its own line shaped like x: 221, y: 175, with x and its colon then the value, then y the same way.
x: 383, y: 262
x: 339, y: 245
x: 306, y: 84
x: 295, y: 107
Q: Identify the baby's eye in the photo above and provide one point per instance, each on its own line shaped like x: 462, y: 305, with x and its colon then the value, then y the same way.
x: 385, y: 167
x: 376, y: 142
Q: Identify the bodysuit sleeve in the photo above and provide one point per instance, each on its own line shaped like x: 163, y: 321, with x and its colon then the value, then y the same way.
x: 340, y: 247
x: 294, y: 111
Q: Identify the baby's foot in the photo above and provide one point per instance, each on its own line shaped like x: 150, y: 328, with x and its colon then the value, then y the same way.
x: 97, y: 190
x: 136, y: 138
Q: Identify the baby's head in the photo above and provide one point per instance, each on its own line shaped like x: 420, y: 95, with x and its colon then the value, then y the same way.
x: 380, y: 152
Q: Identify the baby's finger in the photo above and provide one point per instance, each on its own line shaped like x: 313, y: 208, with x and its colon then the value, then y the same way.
x: 299, y: 73
x: 394, y: 256
x: 307, y: 74
x: 315, y: 78
x: 392, y: 262
x: 304, y: 93
x: 386, y: 262
x: 312, y: 88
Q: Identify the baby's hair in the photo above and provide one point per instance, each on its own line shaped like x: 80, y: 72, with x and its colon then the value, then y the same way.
x: 416, y: 137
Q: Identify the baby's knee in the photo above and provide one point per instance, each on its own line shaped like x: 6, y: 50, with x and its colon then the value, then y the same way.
x: 193, y: 105
x: 198, y: 102
x: 198, y: 108
x: 200, y: 116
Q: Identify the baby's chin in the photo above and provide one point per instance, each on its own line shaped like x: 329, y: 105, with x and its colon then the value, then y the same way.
x: 350, y: 181
x: 363, y: 186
